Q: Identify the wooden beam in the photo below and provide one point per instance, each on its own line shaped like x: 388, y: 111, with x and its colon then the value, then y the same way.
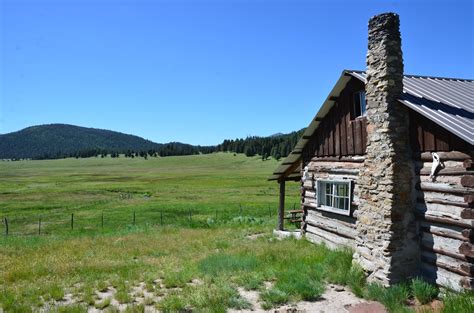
x: 333, y: 98
x: 281, y: 208
x: 444, y: 156
x: 318, y: 119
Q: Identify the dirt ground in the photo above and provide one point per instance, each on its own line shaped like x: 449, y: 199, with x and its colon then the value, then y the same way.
x: 335, y: 299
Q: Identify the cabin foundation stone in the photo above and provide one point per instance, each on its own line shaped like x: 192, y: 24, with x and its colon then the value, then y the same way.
x: 386, y: 243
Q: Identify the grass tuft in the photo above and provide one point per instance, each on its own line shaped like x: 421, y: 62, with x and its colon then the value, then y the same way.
x: 423, y: 291
x: 462, y: 302
x: 103, y: 304
x: 223, y: 263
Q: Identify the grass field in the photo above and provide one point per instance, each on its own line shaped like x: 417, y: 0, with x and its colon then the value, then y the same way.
x: 170, y: 187
x: 197, y: 261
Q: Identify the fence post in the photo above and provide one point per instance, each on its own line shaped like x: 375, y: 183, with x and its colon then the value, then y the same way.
x: 72, y: 221
x: 6, y: 226
x: 102, y: 221
x: 269, y: 210
x: 240, y: 205
x: 161, y: 217
x: 133, y: 217
x: 39, y: 226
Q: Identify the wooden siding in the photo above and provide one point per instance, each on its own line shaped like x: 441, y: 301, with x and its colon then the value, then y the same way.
x: 445, y: 214
x: 339, y: 133
x: 426, y: 136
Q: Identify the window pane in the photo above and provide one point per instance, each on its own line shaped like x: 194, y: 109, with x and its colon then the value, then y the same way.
x: 346, y: 204
x: 362, y: 103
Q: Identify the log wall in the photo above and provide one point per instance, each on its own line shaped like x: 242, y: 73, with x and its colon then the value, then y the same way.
x: 445, y: 212
x: 335, y: 230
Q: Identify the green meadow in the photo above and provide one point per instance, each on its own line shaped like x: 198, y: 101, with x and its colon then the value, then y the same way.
x: 202, y: 234
x: 171, y: 190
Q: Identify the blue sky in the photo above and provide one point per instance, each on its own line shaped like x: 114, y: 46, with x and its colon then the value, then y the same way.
x: 203, y: 71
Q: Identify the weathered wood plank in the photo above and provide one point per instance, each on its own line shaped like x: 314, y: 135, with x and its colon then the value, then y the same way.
x: 444, y: 171
x: 441, y: 243
x: 328, y: 236
x: 343, y: 229
x: 440, y: 210
x: 444, y: 188
x: 440, y: 276
x: 450, y: 231
x: 350, y: 136
x: 451, y: 264
x: 444, y: 220
x: 358, y: 149
x: 449, y: 155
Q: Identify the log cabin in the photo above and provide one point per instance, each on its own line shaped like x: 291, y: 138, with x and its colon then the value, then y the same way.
x: 386, y: 169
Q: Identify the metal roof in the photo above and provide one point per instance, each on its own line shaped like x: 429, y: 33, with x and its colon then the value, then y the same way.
x: 449, y: 102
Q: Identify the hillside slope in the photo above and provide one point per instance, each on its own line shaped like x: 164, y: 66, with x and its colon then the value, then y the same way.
x: 50, y: 141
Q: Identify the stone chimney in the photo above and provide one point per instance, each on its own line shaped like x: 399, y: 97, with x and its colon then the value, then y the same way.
x: 387, y: 246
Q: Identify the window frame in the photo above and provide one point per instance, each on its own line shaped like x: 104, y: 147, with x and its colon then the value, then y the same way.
x: 320, y: 190
x: 357, y: 106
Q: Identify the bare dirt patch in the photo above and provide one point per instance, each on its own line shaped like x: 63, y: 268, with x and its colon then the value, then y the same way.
x: 335, y: 299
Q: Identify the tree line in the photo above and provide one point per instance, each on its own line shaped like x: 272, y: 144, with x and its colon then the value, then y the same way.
x: 276, y: 146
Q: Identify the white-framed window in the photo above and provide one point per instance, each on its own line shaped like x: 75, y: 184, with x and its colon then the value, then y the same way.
x: 334, y: 196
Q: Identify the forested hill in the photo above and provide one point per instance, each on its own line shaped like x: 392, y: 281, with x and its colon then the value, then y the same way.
x: 61, y: 140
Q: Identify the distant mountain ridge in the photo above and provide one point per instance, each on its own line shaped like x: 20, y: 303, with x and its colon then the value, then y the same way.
x: 53, y: 141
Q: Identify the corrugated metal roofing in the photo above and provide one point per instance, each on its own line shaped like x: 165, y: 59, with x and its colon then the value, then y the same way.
x: 449, y: 102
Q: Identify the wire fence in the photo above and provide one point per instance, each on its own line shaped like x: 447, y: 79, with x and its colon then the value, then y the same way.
x: 111, y: 220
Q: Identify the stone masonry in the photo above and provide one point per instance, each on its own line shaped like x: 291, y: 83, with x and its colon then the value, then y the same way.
x: 386, y: 244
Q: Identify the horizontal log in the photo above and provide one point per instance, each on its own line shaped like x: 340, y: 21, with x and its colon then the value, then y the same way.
x: 445, y: 278
x: 340, y: 171
x: 328, y: 236
x: 321, y: 240
x: 308, y: 184
x: 448, y: 231
x: 458, y: 256
x: 467, y: 249
x: 448, y: 155
x: 444, y: 188
x: 347, y: 220
x: 448, y: 263
x: 444, y: 220
x: 467, y: 181
x: 443, y: 201
x: 310, y: 194
x: 440, y: 243
x: 354, y: 159
x: 467, y: 164
x: 430, y: 196
x: 444, y: 171
x: 446, y: 179
x: 343, y: 229
x: 439, y: 210
x: 312, y: 166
